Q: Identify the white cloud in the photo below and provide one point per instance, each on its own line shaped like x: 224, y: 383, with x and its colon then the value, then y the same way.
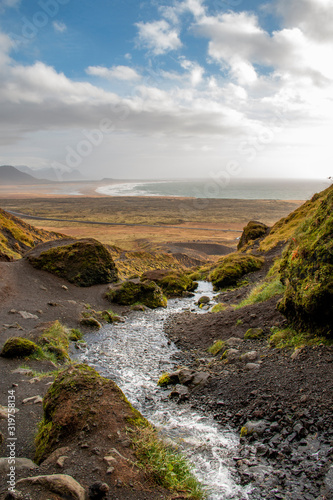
x: 10, y: 3
x: 313, y: 17
x: 114, y: 73
x: 158, y: 36
x: 59, y: 26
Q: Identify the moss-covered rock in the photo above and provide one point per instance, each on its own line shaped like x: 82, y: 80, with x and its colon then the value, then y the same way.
x: 53, y: 338
x: 18, y: 347
x: 307, y: 272
x: 252, y: 231
x: 232, y: 268
x: 91, y: 322
x: 83, y: 262
x: 254, y: 333
x: 133, y: 291
x: 78, y: 397
x: 173, y: 283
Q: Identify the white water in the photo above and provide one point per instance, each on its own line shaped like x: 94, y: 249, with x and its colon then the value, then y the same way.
x: 134, y: 354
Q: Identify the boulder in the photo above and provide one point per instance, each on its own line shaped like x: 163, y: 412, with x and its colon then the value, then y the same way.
x: 252, y: 427
x: 132, y: 291
x: 230, y: 269
x: 18, y: 347
x: 21, y: 465
x: 84, y: 262
x: 203, y: 300
x: 173, y: 283
x: 58, y: 483
x: 252, y: 231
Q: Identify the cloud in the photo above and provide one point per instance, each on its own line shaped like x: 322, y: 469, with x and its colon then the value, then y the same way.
x: 114, y: 73
x: 313, y: 17
x: 9, y: 3
x: 158, y: 36
x: 59, y: 26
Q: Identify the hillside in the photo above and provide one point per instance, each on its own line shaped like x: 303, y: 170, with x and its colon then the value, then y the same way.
x: 16, y: 236
x: 11, y: 175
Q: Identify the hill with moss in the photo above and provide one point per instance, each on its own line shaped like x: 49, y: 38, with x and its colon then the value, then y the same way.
x: 16, y: 236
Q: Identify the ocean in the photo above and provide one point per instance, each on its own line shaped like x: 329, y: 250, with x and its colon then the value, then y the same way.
x: 246, y: 189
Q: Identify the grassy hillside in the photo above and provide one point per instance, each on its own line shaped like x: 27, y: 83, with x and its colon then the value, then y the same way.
x: 16, y: 236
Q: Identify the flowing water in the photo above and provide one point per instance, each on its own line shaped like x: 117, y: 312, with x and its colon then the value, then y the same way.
x: 134, y: 354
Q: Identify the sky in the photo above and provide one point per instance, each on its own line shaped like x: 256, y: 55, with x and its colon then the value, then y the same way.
x: 132, y: 89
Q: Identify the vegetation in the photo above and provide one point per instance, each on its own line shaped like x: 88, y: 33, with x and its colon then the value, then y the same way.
x: 232, y: 268
x: 164, y: 380
x: 169, y: 469
x: 289, y: 337
x: 285, y: 228
x: 254, y: 333
x: 219, y: 307
x: 16, y: 237
x: 252, y: 231
x: 18, y: 347
x: 307, y: 272
x: 83, y: 262
x: 133, y: 291
x: 173, y: 283
x: 75, y: 334
x: 54, y: 341
x: 216, y: 347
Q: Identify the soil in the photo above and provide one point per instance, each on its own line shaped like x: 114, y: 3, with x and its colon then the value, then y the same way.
x: 290, y: 391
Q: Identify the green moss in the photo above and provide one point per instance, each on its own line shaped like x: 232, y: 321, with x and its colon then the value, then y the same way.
x: 307, y: 272
x: 132, y: 292
x: 173, y: 283
x: 252, y: 231
x: 254, y: 333
x: 91, y: 322
x: 232, y: 268
x: 55, y: 340
x: 243, y: 432
x: 84, y: 262
x: 218, y: 308
x: 75, y: 334
x: 216, y: 347
x: 18, y: 347
x: 164, y: 380
x: 289, y: 337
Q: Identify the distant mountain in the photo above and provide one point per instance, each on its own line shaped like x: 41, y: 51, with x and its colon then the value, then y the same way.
x: 11, y: 175
x: 53, y: 173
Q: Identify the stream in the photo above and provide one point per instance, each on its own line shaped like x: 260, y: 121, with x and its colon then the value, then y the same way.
x: 134, y: 354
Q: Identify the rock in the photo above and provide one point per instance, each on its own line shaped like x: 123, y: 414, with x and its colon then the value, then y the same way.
x: 58, y: 483
x: 252, y: 427
x: 23, y: 371
x: 300, y: 430
x: 231, y: 355
x: 84, y: 262
x: 230, y: 269
x: 98, y: 491
x: 233, y: 341
x: 27, y: 315
x: 64, y: 287
x: 172, y: 282
x: 180, y: 391
x: 91, y: 322
x: 61, y: 461
x: 21, y: 465
x: 252, y: 231
x: 4, y: 412
x: 185, y: 376
x: 254, y: 333
x: 296, y: 353
x: 252, y: 366
x: 33, y: 400
x: 138, y: 307
x: 110, y: 460
x: 249, y: 356
x: 203, y: 300
x: 55, y: 455
x: 327, y: 489
x: 200, y: 379
x: 18, y: 347
x: 132, y: 291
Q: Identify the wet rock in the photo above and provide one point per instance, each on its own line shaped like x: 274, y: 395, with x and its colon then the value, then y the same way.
x: 203, y: 300
x: 258, y: 427
x: 181, y: 392
x: 58, y: 483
